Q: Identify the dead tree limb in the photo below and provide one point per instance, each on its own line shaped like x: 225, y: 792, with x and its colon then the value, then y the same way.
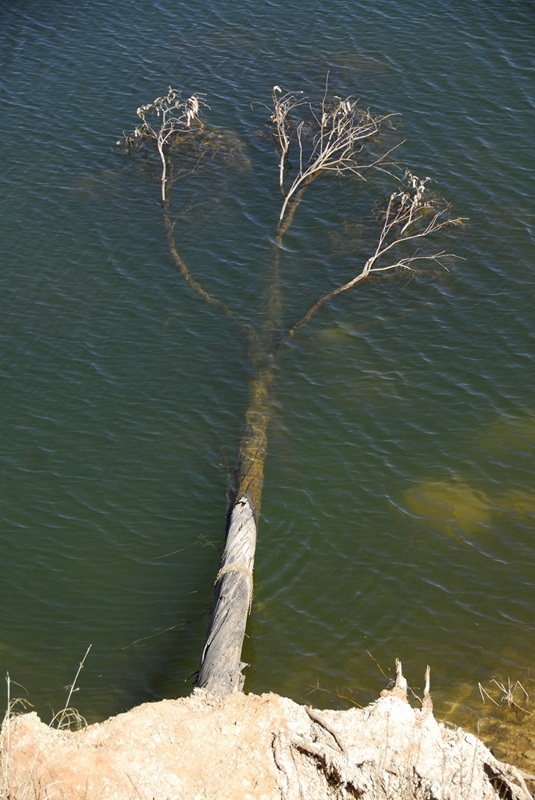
x: 162, y: 119
x: 411, y: 214
x: 282, y: 106
x: 337, y: 131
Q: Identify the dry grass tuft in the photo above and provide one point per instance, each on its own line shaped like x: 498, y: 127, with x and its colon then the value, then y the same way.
x: 31, y: 788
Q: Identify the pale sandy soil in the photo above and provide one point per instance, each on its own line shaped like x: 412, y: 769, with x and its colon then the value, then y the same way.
x: 249, y: 747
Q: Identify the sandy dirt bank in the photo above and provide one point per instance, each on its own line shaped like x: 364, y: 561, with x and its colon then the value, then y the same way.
x: 249, y: 747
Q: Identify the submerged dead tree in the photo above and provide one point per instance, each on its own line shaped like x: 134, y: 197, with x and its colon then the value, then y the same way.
x: 335, y: 137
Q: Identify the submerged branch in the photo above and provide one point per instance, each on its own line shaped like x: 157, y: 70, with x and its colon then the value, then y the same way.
x: 253, y: 444
x: 182, y: 268
x: 172, y: 123
x: 410, y: 215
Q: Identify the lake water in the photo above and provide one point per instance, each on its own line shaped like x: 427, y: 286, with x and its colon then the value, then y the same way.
x: 398, y: 509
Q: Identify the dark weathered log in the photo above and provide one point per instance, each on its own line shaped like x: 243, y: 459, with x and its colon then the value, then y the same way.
x: 221, y: 666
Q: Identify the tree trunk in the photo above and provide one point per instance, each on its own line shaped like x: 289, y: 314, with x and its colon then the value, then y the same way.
x: 221, y: 666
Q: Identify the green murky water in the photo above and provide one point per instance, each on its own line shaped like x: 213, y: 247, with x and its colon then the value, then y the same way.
x: 398, y: 506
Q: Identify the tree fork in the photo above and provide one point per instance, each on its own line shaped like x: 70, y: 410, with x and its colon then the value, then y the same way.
x: 411, y: 214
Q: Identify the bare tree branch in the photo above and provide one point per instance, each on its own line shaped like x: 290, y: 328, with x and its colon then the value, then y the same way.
x: 282, y: 106
x: 339, y: 130
x: 162, y: 121
x: 164, y: 118
x: 411, y: 214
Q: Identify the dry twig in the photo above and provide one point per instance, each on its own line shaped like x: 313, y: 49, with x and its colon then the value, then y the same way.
x: 340, y: 128
x: 162, y: 119
x: 508, y: 691
x: 282, y: 106
x: 69, y: 717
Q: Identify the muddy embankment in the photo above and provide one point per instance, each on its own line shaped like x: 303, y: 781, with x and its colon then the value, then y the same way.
x: 249, y: 747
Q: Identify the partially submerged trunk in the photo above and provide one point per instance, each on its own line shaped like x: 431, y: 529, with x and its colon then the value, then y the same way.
x: 221, y: 666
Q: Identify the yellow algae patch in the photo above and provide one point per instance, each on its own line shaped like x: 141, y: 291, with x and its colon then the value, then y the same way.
x: 452, y: 507
x: 510, y: 433
x: 337, y: 333
x: 517, y: 502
